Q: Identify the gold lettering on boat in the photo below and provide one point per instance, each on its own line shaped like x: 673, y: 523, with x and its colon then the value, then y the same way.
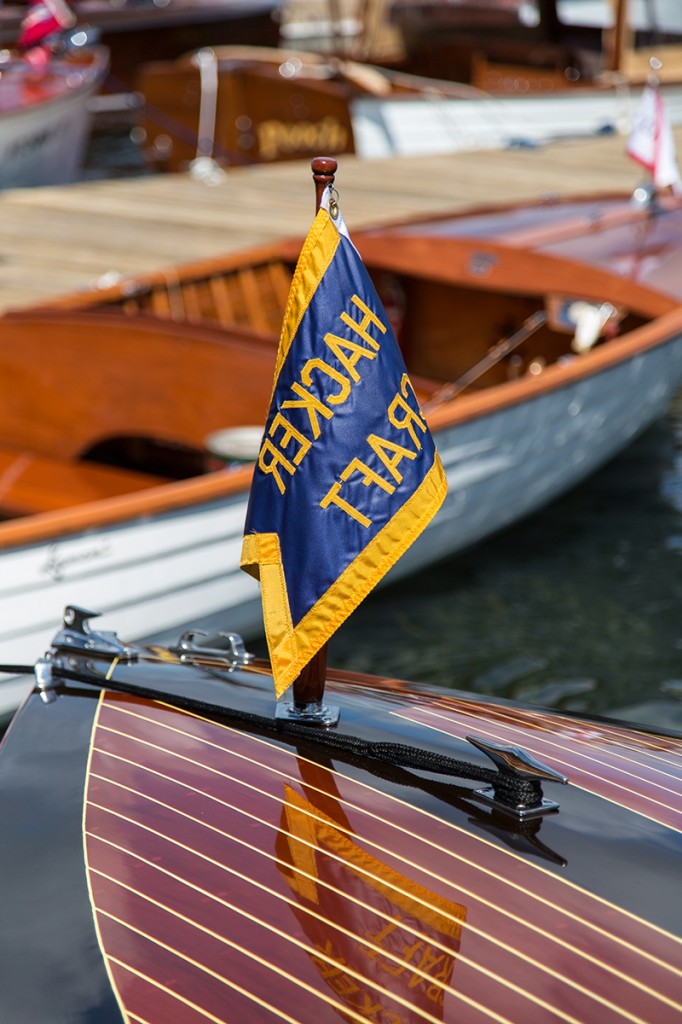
x: 272, y: 467
x: 290, y: 433
x: 368, y: 476
x: 319, y: 364
x: 348, y: 353
x: 312, y: 405
x: 380, y: 446
x: 279, y: 138
x: 368, y: 318
x: 411, y: 418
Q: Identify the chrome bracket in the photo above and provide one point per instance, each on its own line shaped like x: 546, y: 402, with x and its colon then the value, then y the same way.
x: 233, y: 655
x: 76, y: 635
x: 314, y: 713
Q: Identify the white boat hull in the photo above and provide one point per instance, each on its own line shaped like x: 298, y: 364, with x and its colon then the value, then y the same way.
x: 437, y: 124
x: 505, y: 466
x: 44, y: 142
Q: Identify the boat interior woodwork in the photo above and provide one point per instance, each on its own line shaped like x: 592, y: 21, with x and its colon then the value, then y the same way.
x: 81, y: 396
x: 444, y: 322
x: 537, y: 49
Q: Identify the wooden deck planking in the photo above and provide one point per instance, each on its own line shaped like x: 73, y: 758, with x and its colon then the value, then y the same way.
x: 61, y: 239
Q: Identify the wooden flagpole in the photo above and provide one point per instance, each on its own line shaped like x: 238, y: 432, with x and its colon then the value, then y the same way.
x: 308, y: 687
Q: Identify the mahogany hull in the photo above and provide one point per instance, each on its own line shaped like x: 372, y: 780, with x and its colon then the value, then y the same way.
x: 250, y: 105
x: 203, y: 870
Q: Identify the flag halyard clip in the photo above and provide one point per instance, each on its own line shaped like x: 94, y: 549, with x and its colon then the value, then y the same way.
x: 333, y: 203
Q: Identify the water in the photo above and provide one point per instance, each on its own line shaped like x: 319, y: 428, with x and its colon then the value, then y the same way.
x: 578, y: 607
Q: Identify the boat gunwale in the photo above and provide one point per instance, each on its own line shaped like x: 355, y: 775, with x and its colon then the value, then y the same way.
x: 131, y: 286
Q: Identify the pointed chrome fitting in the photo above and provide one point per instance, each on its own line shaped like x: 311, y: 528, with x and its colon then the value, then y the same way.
x: 76, y: 635
x: 519, y: 789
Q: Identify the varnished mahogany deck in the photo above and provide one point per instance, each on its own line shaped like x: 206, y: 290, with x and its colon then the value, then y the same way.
x: 308, y: 893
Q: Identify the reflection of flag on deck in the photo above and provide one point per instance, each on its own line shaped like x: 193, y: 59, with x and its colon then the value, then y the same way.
x: 42, y: 19
x: 347, y: 476
x: 651, y: 141
x: 384, y: 944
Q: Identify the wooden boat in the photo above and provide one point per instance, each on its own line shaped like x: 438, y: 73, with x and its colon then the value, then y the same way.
x: 513, y: 46
x: 434, y: 858
x: 109, y: 451
x: 474, y: 86
x: 45, y: 116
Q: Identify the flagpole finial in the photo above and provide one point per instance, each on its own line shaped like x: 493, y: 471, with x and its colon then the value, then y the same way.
x: 324, y: 170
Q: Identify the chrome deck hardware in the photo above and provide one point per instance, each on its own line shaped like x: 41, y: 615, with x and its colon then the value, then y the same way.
x: 233, y: 655
x: 76, y: 635
x: 518, y: 788
x: 45, y: 680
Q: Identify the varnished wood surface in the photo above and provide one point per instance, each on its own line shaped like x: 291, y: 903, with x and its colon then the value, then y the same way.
x: 60, y: 239
x: 143, y: 368
x: 237, y: 878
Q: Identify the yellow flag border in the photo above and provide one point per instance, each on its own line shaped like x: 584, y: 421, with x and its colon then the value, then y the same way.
x: 317, y: 253
x: 291, y: 648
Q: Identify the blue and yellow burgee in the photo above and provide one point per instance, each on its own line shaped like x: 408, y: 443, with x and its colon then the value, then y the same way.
x: 347, y: 474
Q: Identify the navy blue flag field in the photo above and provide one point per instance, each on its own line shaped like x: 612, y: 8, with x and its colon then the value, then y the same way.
x: 347, y: 475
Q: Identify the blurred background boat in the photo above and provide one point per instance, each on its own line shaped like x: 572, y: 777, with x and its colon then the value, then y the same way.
x: 47, y: 82
x: 45, y: 116
x: 414, y: 78
x: 135, y: 31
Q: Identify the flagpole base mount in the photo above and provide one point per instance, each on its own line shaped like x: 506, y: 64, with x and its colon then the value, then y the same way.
x: 315, y: 713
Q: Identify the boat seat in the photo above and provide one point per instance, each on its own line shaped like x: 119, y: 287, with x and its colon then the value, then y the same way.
x: 32, y: 483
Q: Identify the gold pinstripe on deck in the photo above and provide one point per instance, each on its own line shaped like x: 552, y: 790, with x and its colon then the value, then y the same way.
x: 95, y: 921
x: 608, y: 935
x: 476, y: 838
x: 493, y: 730
x: 205, y: 1013
x: 571, y: 983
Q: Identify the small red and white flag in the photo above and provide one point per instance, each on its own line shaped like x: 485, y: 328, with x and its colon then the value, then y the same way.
x: 651, y: 141
x: 43, y: 18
